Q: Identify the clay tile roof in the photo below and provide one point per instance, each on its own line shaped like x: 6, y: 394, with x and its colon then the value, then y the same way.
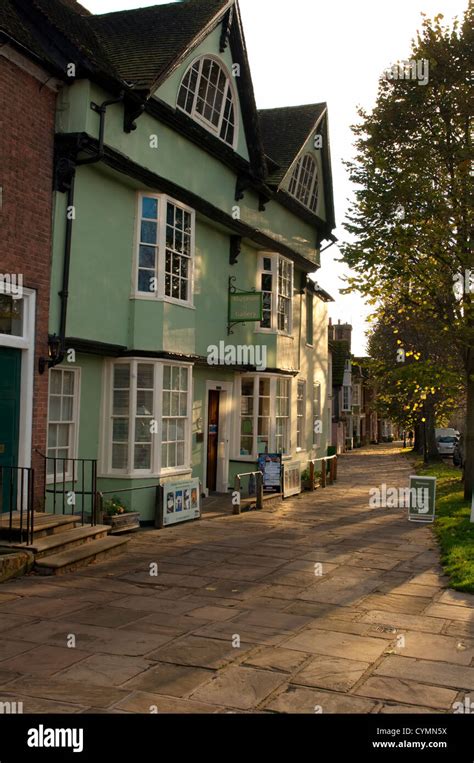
x: 284, y: 131
x: 143, y: 43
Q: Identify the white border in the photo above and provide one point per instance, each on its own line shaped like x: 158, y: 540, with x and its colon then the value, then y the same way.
x: 159, y: 295
x: 201, y: 120
x: 225, y: 409
x: 76, y: 418
x: 26, y: 343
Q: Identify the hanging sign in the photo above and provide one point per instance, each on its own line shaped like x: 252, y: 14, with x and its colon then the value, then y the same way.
x: 245, y: 306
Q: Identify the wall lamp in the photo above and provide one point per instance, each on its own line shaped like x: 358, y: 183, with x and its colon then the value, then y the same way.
x: 55, y: 354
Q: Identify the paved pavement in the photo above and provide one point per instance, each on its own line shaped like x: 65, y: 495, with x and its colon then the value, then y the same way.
x: 317, y: 604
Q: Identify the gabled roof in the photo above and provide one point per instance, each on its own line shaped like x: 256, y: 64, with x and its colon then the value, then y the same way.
x: 340, y: 353
x: 56, y: 32
x: 144, y: 43
x: 285, y: 130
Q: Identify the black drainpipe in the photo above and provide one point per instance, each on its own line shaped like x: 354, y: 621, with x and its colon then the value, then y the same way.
x: 60, y: 344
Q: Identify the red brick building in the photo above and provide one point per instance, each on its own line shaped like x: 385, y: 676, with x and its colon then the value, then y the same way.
x: 28, y: 97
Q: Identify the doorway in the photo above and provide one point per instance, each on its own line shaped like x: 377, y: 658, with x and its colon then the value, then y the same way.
x: 217, y: 428
x: 213, y: 408
x: 10, y: 384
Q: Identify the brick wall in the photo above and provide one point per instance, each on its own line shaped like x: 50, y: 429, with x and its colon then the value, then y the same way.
x: 26, y: 168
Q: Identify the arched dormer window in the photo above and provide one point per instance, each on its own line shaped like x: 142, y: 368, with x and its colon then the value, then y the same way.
x: 207, y: 95
x: 304, y: 182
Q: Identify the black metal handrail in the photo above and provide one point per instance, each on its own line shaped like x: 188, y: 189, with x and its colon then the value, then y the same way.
x: 60, y: 483
x: 17, y: 485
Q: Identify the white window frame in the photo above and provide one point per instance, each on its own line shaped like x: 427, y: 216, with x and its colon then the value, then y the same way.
x: 275, y: 260
x: 156, y: 469
x: 160, y: 264
x: 346, y: 404
x: 295, y: 178
x: 200, y: 118
x: 272, y: 422
x: 76, y: 406
x: 300, y: 417
x: 356, y: 394
x: 309, y: 307
x: 317, y: 414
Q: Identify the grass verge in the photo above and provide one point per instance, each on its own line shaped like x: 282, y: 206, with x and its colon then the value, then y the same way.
x: 453, y: 528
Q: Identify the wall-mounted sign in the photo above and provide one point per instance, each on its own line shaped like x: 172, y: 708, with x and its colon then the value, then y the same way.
x: 270, y: 465
x: 291, y: 479
x: 422, y: 504
x: 181, y: 502
x: 245, y: 306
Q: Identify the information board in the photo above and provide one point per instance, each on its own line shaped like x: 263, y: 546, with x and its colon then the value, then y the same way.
x: 181, y: 502
x: 270, y: 465
x: 422, y: 503
x: 291, y: 479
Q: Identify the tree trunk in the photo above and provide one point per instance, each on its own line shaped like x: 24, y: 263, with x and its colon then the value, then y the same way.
x: 418, y: 446
x: 431, y: 446
x: 469, y: 435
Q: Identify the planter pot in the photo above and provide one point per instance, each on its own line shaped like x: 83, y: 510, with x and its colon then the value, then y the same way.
x: 121, y: 523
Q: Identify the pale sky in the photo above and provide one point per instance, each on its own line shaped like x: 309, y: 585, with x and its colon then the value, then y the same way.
x: 308, y: 51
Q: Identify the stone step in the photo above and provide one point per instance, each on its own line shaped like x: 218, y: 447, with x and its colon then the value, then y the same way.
x: 43, y: 524
x: 62, y: 541
x: 80, y: 556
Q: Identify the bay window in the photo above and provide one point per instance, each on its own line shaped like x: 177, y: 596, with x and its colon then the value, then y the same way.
x: 165, y: 249
x: 300, y: 415
x: 264, y: 415
x: 149, y: 418
x: 276, y: 283
x: 317, y: 415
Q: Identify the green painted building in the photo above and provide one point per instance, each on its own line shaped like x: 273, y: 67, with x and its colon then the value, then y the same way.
x: 173, y: 191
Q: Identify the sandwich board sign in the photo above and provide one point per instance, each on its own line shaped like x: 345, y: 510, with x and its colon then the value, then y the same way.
x: 422, y: 499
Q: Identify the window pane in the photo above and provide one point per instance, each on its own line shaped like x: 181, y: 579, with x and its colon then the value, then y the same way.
x: 121, y: 403
x: 145, y: 376
x: 167, y: 377
x: 67, y: 409
x: 142, y: 457
x: 143, y: 430
x: 147, y: 257
x: 149, y: 208
x: 52, y: 436
x: 119, y: 456
x: 149, y: 232
x: 68, y: 383
x: 55, y: 409
x: 55, y: 382
x: 122, y: 376
x: 120, y: 430
x: 144, y: 403
x: 11, y: 312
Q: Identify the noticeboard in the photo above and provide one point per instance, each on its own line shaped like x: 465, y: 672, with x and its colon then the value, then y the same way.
x: 270, y: 465
x: 245, y: 306
x: 422, y: 499
x: 291, y: 479
x: 181, y: 502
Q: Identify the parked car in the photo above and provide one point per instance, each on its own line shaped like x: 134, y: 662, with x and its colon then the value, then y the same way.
x: 446, y: 445
x: 458, y: 452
